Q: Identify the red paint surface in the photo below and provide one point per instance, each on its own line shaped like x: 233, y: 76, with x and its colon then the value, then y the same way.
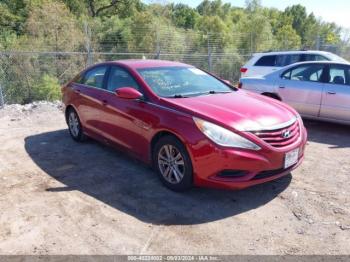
x: 131, y: 124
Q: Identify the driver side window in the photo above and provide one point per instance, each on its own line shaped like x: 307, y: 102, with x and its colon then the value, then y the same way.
x: 118, y: 78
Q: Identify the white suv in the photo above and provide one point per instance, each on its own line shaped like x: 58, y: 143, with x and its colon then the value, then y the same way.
x: 264, y: 63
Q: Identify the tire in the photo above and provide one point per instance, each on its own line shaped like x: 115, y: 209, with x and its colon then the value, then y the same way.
x: 74, y: 126
x: 272, y: 96
x: 173, y: 164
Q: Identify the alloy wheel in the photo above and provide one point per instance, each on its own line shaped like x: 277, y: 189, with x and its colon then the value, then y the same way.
x: 74, y: 125
x: 171, y: 164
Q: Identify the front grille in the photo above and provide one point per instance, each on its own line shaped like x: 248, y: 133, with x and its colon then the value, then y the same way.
x: 232, y: 173
x: 270, y: 173
x: 278, y: 137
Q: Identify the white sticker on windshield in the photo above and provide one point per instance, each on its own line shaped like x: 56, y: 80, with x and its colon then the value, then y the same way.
x: 197, y: 71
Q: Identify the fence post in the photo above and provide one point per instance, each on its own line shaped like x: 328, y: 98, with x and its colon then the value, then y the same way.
x: 251, y: 43
x: 157, y: 44
x: 2, y: 101
x: 318, y: 42
x: 87, y: 31
x: 209, y: 53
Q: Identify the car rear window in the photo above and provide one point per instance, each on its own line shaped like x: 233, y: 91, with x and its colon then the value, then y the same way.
x: 268, y: 60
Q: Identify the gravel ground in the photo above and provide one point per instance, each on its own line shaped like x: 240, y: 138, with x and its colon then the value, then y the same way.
x: 62, y: 197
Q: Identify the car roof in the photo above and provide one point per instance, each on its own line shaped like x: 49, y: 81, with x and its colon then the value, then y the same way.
x: 318, y: 62
x: 148, y: 63
x: 293, y: 52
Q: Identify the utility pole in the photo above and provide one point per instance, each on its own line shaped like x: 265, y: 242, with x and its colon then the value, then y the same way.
x: 2, y: 101
x: 87, y: 31
x: 157, y: 44
x: 209, y: 53
x: 318, y: 42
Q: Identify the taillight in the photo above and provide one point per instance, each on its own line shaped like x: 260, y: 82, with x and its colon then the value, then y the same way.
x: 240, y: 85
x: 244, y: 70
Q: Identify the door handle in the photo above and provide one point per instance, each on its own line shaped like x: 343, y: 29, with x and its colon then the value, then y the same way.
x: 104, y: 102
x: 331, y: 92
x: 282, y: 87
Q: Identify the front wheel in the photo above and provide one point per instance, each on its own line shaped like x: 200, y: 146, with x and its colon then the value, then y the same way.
x: 173, y: 163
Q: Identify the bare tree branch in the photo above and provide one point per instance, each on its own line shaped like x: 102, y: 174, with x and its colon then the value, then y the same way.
x: 92, y: 8
x: 95, y: 12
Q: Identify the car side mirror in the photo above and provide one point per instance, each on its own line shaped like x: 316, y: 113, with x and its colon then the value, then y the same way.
x: 128, y: 93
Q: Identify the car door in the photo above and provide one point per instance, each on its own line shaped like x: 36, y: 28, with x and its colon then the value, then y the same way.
x: 126, y: 122
x: 336, y: 96
x: 88, y: 90
x: 301, y: 87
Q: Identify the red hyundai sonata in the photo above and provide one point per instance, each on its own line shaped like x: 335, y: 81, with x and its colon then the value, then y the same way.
x: 194, y: 128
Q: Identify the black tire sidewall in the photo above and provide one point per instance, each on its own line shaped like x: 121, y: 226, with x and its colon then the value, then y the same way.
x: 80, y: 136
x: 187, y: 181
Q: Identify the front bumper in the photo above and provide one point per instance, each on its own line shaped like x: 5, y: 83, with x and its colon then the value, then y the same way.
x: 258, y: 167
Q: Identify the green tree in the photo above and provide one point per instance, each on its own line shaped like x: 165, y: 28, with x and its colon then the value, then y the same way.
x: 184, y: 16
x: 47, y: 88
x: 53, y: 26
x: 297, y: 15
x: 287, y: 38
x: 258, y: 32
x: 213, y: 8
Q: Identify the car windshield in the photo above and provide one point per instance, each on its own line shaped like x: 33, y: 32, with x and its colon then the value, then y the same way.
x: 180, y: 82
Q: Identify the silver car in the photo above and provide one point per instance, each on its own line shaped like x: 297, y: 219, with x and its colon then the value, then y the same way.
x: 317, y: 90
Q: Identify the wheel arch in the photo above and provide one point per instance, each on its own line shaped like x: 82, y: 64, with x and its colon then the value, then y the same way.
x: 272, y: 95
x: 160, y: 134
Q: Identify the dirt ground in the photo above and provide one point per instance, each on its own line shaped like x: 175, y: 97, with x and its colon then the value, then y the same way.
x: 62, y: 197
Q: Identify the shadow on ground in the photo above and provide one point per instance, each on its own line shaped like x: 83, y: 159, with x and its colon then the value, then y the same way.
x: 334, y: 135
x: 133, y: 188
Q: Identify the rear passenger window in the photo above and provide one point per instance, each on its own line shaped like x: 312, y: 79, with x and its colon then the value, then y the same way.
x: 269, y: 60
x: 313, y: 57
x: 95, y: 77
x: 284, y: 60
x: 292, y: 59
x: 321, y: 58
x: 311, y: 73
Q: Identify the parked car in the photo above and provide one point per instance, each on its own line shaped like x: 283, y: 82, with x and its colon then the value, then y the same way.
x: 194, y: 128
x: 317, y: 90
x: 265, y: 63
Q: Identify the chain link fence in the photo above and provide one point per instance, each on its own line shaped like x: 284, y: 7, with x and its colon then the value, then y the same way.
x: 35, y: 73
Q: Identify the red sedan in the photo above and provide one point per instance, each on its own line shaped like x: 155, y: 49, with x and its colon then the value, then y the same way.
x: 194, y: 128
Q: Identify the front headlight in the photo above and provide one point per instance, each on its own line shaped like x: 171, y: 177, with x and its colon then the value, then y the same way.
x: 222, y: 136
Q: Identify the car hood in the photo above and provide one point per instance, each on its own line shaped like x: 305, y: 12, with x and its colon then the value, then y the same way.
x: 240, y: 110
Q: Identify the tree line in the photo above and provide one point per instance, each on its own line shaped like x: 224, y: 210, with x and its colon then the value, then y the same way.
x: 131, y: 26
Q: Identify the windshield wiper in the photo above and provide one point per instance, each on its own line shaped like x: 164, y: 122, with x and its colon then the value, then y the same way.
x: 177, y: 96
x: 211, y: 92
x: 218, y: 92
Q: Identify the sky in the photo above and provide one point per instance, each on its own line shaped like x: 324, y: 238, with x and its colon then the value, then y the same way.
x: 337, y: 11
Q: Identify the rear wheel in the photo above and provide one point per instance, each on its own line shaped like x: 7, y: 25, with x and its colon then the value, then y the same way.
x: 74, y: 126
x: 173, y: 163
x: 274, y: 96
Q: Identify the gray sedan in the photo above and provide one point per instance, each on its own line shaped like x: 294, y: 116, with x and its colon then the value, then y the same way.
x: 317, y: 90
